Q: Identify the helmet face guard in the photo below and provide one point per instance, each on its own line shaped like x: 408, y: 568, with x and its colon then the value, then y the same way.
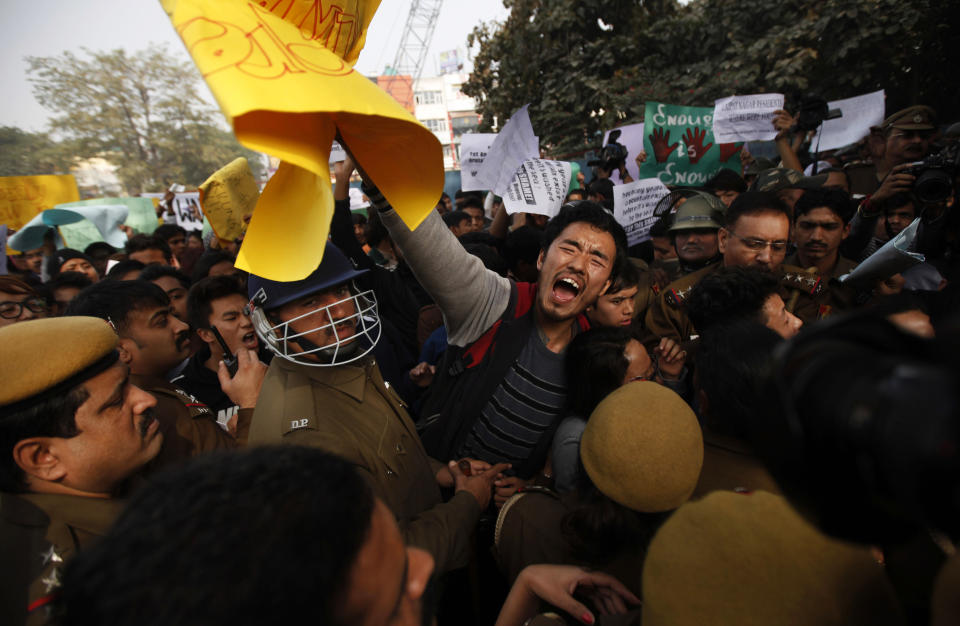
x: 279, y: 337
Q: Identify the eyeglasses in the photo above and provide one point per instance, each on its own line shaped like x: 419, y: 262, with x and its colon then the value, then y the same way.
x: 654, y: 373
x: 757, y: 245
x: 13, y: 310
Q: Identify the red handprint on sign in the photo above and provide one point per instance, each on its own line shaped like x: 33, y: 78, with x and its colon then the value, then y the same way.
x: 661, y: 145
x: 694, y: 140
x: 727, y: 150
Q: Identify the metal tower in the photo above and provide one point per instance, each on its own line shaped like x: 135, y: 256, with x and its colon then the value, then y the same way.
x: 416, y: 38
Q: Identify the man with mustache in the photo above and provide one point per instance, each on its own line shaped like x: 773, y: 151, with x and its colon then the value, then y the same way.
x: 821, y: 223
x: 152, y: 342
x: 907, y: 136
x: 73, y: 429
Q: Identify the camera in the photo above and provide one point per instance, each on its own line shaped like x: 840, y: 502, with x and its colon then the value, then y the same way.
x: 813, y: 111
x: 613, y: 154
x: 935, y: 175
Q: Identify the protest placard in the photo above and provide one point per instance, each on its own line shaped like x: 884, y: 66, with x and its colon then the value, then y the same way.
x: 633, y: 205
x: 337, y: 153
x: 631, y: 138
x: 680, y: 146
x: 82, y: 225
x: 228, y: 198
x: 893, y: 257
x: 859, y: 114
x: 514, y: 144
x: 282, y: 73
x: 473, y: 152
x: 357, y: 199
x: 186, y: 208
x: 746, y: 118
x: 23, y: 197
x: 538, y: 186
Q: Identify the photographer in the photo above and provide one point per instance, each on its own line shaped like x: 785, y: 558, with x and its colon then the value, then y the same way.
x: 612, y: 157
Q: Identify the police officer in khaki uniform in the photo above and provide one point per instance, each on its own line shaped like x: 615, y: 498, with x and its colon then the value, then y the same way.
x: 74, y: 430
x: 756, y: 233
x: 325, y: 390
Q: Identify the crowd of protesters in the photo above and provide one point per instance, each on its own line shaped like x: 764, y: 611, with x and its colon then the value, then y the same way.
x: 506, y: 419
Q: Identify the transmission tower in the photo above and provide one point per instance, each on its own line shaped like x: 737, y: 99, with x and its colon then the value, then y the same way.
x: 417, y: 34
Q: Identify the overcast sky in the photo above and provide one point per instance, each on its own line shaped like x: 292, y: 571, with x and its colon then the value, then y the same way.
x: 49, y: 27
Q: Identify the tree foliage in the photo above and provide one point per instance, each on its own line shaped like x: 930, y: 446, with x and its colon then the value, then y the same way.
x: 582, y: 77
x: 25, y: 154
x: 141, y: 111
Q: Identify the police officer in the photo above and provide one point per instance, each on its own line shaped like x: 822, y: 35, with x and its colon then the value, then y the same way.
x: 325, y: 390
x: 73, y: 430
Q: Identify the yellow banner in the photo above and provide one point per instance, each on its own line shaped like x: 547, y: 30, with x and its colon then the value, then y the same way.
x: 22, y: 197
x: 282, y: 72
x: 228, y: 198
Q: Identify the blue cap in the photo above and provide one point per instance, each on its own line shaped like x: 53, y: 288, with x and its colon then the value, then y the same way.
x: 335, y: 269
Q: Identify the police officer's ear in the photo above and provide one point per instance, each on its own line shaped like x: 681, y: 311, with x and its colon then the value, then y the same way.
x: 127, y: 348
x: 722, y: 237
x: 37, y: 458
x: 206, y: 335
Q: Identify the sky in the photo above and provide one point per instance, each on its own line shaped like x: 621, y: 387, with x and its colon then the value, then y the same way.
x: 50, y: 27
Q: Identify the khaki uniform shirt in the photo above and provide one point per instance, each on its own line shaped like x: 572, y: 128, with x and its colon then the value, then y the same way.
x: 816, y: 296
x: 38, y: 534
x: 189, y: 427
x: 729, y: 465
x: 667, y: 316
x: 350, y: 411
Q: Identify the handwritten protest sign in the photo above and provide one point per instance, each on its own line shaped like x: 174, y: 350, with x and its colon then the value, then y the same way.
x: 538, y: 186
x: 23, y: 197
x: 680, y: 146
x: 283, y: 75
x: 473, y: 152
x: 746, y: 118
x: 357, y: 199
x: 337, y: 153
x: 514, y: 144
x: 893, y: 257
x: 859, y: 114
x: 228, y: 198
x: 186, y: 209
x: 631, y: 138
x: 633, y: 205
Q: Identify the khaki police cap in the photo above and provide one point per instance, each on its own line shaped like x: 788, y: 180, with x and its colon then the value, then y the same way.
x: 779, y: 178
x: 917, y: 117
x: 700, y: 211
x: 48, y: 356
x: 735, y: 559
x: 643, y: 448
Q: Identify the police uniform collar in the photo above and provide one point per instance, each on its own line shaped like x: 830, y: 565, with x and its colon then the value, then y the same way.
x: 92, y: 515
x: 350, y: 379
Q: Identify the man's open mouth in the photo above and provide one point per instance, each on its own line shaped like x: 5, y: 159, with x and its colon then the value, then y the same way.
x: 250, y: 339
x: 566, y: 289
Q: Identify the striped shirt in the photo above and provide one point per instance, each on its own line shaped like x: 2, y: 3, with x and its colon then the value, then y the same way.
x: 528, y: 401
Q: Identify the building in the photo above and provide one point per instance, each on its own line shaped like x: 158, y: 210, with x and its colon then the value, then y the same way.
x: 446, y: 111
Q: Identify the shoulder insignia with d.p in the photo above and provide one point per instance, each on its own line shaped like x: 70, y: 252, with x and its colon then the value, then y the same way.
x: 291, y: 424
x: 676, y: 297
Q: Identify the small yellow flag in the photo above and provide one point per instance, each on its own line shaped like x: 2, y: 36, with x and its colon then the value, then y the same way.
x: 282, y: 72
x: 228, y: 197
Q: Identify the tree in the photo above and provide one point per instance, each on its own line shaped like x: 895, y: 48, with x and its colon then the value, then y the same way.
x: 24, y: 154
x: 141, y: 111
x: 589, y: 65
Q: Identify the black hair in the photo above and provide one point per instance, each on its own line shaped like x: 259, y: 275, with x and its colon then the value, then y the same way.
x: 205, y: 292
x: 900, y: 199
x: 471, y: 202
x: 728, y: 295
x: 896, y: 303
x: 195, y: 233
x: 52, y: 417
x: 481, y: 237
x: 69, y: 279
x: 165, y: 232
x: 596, y: 361
x: 123, y: 267
x: 577, y: 190
x: 838, y: 170
x: 522, y: 244
x: 113, y: 300
x: 754, y: 202
x: 455, y: 217
x: 726, y: 180
x: 375, y: 230
x: 99, y: 250
x: 732, y: 364
x: 595, y: 215
x: 267, y: 535
x: 206, y: 262
x: 628, y: 277
x: 138, y: 243
x: 837, y: 200
x: 358, y: 218
x: 489, y: 255
x: 155, y: 271
x: 60, y: 257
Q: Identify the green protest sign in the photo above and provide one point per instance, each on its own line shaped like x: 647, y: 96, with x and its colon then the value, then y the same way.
x: 141, y: 217
x: 680, y: 148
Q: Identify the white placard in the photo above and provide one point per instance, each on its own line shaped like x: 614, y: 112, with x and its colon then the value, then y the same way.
x: 538, y: 186
x: 745, y: 118
x: 357, y: 200
x: 631, y: 137
x: 186, y: 210
x: 514, y: 144
x: 473, y: 152
x: 859, y: 114
x: 633, y: 205
x: 337, y: 153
